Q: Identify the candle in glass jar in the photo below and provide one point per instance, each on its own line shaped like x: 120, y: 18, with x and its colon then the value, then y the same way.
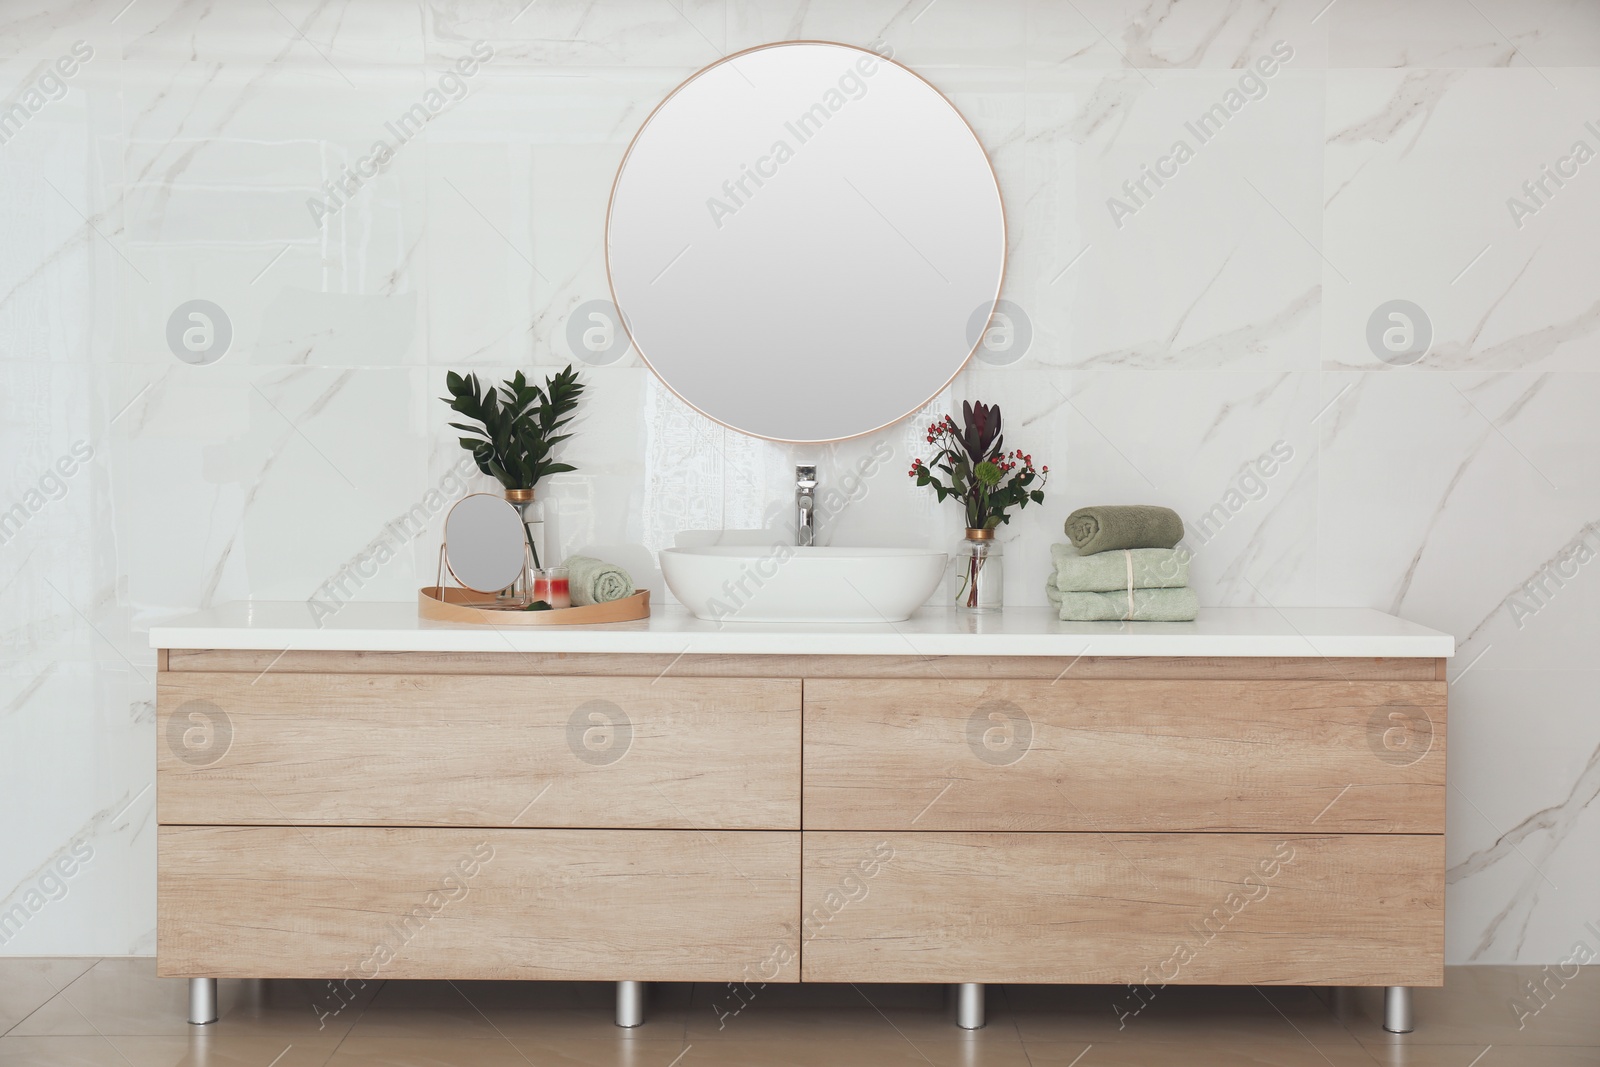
x: 550, y: 585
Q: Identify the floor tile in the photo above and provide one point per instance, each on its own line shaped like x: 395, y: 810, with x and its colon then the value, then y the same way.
x: 1181, y: 1014
x: 1485, y: 1006
x: 1236, y: 1052
x: 118, y: 1013
x: 27, y: 982
x: 124, y: 998
x: 429, y: 1052
x: 56, y: 1052
x: 862, y: 1023
x: 722, y: 1012
x: 198, y: 1050
x: 828, y: 1048
x: 358, y: 1051
x: 519, y: 1011
x: 1487, y: 1056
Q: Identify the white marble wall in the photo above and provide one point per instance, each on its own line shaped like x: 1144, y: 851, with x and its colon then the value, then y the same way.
x: 1225, y: 316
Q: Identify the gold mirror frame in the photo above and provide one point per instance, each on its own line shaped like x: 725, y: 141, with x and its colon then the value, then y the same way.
x: 994, y: 302
x: 444, y: 548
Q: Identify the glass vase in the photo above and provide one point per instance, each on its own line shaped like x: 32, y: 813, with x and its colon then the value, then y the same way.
x: 978, y: 573
x: 532, y: 512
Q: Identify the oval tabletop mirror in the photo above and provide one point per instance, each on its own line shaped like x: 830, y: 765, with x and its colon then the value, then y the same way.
x: 803, y: 240
x: 484, y: 543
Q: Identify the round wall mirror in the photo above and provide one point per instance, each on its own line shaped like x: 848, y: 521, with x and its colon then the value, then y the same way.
x: 484, y: 542
x: 801, y: 238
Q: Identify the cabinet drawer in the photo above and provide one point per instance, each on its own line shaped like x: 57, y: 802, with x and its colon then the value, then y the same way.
x: 1125, y: 755
x: 1359, y: 909
x: 371, y: 902
x: 440, y: 750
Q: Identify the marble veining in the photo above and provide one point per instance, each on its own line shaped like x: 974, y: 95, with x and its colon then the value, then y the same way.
x: 1228, y: 316
x: 1543, y: 832
x: 1413, y: 101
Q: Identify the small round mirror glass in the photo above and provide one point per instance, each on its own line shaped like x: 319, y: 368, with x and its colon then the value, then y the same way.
x: 484, y: 543
x: 801, y: 240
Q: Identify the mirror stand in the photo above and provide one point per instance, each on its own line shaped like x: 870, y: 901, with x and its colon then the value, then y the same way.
x: 510, y: 597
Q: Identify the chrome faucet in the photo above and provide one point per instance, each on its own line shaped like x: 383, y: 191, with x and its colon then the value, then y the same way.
x: 805, y: 503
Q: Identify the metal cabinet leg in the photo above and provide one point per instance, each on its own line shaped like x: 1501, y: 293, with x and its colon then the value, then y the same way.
x: 1397, y: 1009
x: 630, y: 1003
x: 969, y: 1005
x: 202, y: 1001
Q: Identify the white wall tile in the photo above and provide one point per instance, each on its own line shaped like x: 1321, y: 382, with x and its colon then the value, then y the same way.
x: 1154, y: 361
x: 1524, y: 814
x: 1420, y: 168
x: 1463, y: 33
x: 1215, y: 266
x: 1163, y: 36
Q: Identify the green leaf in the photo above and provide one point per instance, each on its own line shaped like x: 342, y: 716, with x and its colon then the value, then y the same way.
x: 519, y: 423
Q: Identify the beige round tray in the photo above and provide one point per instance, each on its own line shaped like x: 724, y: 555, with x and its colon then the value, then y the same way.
x: 463, y: 605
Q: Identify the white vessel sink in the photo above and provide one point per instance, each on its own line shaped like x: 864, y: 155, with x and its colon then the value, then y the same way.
x: 782, y: 583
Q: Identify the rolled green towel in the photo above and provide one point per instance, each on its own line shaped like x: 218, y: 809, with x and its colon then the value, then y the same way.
x: 1149, y: 605
x: 1113, y: 526
x: 1106, y: 572
x: 594, y: 581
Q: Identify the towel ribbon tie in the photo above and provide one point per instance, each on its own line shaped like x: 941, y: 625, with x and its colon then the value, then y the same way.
x: 1127, y: 558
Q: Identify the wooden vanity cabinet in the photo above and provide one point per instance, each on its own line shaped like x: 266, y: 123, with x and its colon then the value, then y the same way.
x: 821, y: 818
x: 1205, y: 829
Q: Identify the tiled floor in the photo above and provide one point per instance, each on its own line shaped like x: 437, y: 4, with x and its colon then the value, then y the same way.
x: 77, y: 1013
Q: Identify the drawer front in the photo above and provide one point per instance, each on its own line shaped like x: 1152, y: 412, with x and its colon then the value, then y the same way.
x: 1123, y: 755
x: 419, y: 750
x: 372, y: 902
x: 1360, y: 909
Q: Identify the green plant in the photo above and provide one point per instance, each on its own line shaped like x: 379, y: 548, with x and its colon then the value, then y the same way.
x: 985, y: 479
x: 517, y: 426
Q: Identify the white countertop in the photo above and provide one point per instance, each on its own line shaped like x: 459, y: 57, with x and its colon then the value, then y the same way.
x: 1017, y: 631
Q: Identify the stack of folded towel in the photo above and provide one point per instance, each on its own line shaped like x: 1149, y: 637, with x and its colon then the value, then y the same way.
x: 1124, y: 563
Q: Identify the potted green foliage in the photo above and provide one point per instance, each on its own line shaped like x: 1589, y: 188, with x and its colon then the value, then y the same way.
x: 515, y: 429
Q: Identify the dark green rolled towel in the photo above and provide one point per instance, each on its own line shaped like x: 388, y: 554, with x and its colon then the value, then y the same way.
x: 1110, y: 527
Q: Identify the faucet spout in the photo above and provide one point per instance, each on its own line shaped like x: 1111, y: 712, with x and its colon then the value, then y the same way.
x: 805, y: 504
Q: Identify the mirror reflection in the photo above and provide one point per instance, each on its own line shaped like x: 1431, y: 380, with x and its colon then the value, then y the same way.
x: 799, y: 238
x: 484, y: 543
